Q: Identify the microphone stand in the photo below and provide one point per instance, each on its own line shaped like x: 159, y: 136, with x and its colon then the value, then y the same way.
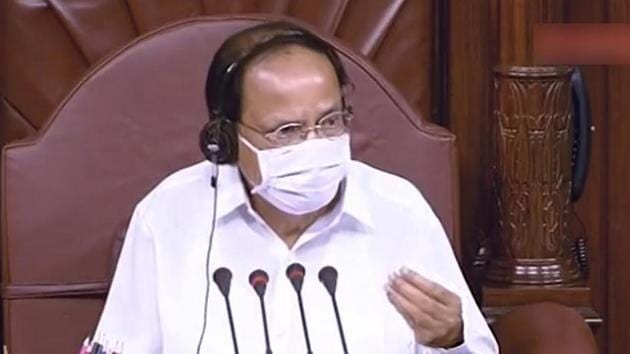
x: 328, y: 277
x: 223, y: 278
x: 295, y: 273
x: 259, y: 279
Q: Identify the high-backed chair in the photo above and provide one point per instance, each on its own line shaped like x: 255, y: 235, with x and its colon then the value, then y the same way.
x: 47, y: 46
x: 130, y: 122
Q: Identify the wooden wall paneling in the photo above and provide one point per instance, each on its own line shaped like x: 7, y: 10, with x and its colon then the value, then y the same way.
x: 618, y: 195
x: 618, y: 206
x: 513, y: 40
x: 468, y: 91
x: 516, y: 19
x: 592, y: 207
x: 440, y: 68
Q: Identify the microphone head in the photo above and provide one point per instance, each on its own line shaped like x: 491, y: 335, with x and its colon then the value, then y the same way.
x: 258, y: 280
x: 223, y: 278
x: 328, y: 277
x: 213, y: 147
x: 295, y: 273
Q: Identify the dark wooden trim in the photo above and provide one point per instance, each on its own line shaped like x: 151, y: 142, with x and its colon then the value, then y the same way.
x: 591, y: 317
x: 503, y: 297
x: 440, y: 110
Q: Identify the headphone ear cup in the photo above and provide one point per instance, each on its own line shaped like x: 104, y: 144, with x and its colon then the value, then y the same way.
x: 206, y: 142
x: 217, y: 141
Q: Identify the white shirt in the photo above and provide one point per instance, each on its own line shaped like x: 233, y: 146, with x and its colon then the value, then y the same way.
x: 382, y: 222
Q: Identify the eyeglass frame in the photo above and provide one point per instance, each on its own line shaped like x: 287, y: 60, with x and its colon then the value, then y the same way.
x: 347, y: 116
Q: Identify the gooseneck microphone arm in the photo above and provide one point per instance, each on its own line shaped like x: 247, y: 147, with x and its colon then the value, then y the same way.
x: 328, y: 277
x: 304, y: 327
x: 295, y: 273
x: 223, y: 278
x: 258, y: 280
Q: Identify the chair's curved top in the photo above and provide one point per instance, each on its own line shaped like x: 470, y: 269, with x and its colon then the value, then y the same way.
x: 135, y: 118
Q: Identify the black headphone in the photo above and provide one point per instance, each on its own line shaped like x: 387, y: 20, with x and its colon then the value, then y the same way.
x: 217, y: 137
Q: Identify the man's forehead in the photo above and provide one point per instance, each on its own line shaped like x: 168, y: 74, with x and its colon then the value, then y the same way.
x: 290, y: 53
x: 290, y: 66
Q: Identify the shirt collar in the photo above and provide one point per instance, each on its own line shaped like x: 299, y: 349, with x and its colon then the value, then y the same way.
x: 354, y: 202
x: 230, y: 189
x: 232, y: 196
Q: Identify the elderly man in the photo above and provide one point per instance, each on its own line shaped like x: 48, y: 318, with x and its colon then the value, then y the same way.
x: 280, y: 189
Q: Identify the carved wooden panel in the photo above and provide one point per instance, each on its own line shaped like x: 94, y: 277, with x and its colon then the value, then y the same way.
x: 532, y: 177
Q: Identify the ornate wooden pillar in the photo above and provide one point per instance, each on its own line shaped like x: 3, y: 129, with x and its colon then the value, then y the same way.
x: 532, y: 124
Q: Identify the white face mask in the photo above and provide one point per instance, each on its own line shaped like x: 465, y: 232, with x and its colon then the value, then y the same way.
x: 302, y: 178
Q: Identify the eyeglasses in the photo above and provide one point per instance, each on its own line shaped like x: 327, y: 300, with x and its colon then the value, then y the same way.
x: 329, y: 126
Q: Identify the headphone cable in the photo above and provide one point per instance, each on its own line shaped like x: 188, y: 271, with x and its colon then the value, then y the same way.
x: 214, y: 178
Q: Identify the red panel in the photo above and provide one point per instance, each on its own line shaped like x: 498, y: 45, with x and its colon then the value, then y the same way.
x: 581, y: 44
x: 400, y: 54
x: 214, y: 7
x: 151, y: 14
x: 366, y: 23
x: 14, y: 125
x: 325, y: 15
x: 51, y: 326
x: 39, y: 60
x: 98, y: 27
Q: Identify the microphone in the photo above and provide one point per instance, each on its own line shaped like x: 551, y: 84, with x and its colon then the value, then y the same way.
x: 328, y: 277
x: 295, y: 273
x: 223, y: 278
x: 259, y: 279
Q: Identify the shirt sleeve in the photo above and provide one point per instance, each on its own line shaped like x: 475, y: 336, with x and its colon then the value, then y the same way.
x: 478, y: 339
x: 131, y: 314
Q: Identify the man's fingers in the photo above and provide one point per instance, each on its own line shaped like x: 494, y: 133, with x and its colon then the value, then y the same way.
x: 432, y: 311
x: 417, y: 297
x: 415, y: 316
x: 397, y: 303
x: 432, y: 289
